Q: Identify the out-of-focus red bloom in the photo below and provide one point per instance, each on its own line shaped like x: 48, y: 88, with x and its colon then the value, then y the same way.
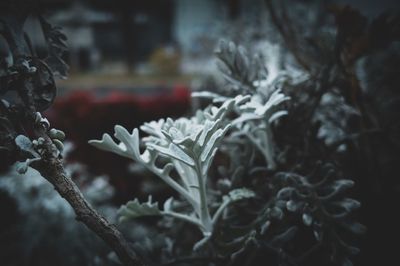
x: 86, y: 114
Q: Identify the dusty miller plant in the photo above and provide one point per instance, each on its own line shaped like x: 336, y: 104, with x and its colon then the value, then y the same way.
x: 238, y: 124
x: 188, y: 146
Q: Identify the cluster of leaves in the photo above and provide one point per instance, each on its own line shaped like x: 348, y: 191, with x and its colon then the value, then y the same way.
x: 240, y: 167
x: 187, y: 146
x: 239, y: 127
x: 27, y: 84
x: 279, y: 129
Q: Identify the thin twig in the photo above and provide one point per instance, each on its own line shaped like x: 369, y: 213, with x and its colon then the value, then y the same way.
x: 50, y: 166
x: 52, y: 169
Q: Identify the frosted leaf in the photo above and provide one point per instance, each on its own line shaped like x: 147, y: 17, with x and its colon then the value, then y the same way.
x: 241, y: 193
x: 292, y: 206
x: 25, y: 144
x: 168, y: 204
x: 307, y: 219
x: 174, y: 152
x: 134, y: 209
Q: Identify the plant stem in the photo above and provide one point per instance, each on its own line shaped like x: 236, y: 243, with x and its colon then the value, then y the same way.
x: 185, y: 218
x: 178, y: 188
x: 51, y: 167
x: 218, y: 213
x: 53, y: 171
x: 204, y: 212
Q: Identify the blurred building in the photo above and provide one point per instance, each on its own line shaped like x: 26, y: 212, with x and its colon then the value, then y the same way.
x: 124, y: 35
x: 131, y: 32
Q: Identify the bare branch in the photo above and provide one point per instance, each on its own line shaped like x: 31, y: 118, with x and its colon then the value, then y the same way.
x: 52, y: 169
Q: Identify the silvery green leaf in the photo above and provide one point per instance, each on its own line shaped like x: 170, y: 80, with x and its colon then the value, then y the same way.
x: 189, y: 178
x: 128, y: 146
x: 343, y: 184
x: 281, y: 204
x: 307, y: 219
x: 348, y: 204
x: 337, y: 187
x: 56, y: 134
x: 241, y: 193
x: 265, y: 227
x: 169, y: 122
x: 190, y: 140
x: 209, y: 128
x: 276, y: 98
x: 317, y: 235
x: 168, y: 205
x: 215, y: 113
x: 167, y: 169
x: 153, y: 128
x: 253, y: 105
x: 59, y: 145
x: 223, y: 68
x: 232, y: 47
x: 242, y: 60
x: 245, y: 117
x: 224, y: 184
x: 107, y: 144
x: 276, y: 213
x: 216, y: 98
x: 134, y: 209
x: 354, y: 227
x: 174, y: 152
x: 285, y: 192
x: 167, y: 136
x: 208, y: 161
x: 45, y: 122
x: 22, y: 167
x: 265, y: 109
x: 241, y: 99
x: 213, y: 142
x: 277, y: 115
x: 25, y: 144
x: 293, y: 206
x: 199, y: 244
x: 241, y: 244
x: 175, y: 133
x: 131, y: 141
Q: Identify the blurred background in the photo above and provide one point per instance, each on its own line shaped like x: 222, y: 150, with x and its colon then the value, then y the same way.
x: 131, y: 62
x: 132, y: 44
x: 136, y: 61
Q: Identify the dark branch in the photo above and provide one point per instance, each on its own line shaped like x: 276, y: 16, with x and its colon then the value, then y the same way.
x: 50, y: 165
x: 52, y: 169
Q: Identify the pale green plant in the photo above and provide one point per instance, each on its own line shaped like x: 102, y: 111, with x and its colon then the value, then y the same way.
x: 254, y: 117
x: 187, y: 145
